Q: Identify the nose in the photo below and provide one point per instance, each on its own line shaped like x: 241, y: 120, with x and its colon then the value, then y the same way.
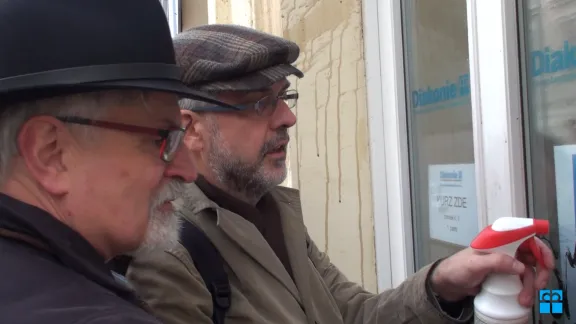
x: 182, y: 166
x: 283, y: 116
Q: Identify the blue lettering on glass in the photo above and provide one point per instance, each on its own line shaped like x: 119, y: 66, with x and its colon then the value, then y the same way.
x: 553, y: 65
x: 547, y: 65
x: 548, y: 60
x: 450, y: 90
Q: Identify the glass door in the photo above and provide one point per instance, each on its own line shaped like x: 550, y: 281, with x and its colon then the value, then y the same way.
x: 441, y: 141
x: 549, y: 73
x: 464, y: 120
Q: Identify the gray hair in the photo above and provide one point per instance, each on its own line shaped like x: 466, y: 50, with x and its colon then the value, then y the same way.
x: 91, y: 105
x: 191, y: 104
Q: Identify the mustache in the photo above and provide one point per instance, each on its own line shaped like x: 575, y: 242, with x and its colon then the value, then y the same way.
x: 169, y: 192
x: 270, y: 145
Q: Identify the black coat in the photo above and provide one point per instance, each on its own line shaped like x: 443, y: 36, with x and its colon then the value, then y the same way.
x: 50, y: 274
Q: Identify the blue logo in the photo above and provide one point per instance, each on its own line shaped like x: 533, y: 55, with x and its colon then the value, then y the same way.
x: 550, y: 301
x: 451, y: 176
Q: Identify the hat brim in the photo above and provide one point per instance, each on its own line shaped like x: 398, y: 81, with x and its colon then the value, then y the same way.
x: 144, y: 76
x: 170, y: 86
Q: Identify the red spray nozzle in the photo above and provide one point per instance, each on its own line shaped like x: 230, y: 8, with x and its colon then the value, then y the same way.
x: 506, y: 235
x: 507, y: 230
x: 541, y: 226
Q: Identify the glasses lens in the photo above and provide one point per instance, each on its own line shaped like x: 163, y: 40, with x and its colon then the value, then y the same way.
x: 264, y: 106
x: 172, y: 143
x: 291, y: 97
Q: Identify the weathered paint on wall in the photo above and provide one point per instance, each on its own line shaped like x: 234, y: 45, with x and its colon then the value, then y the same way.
x: 329, y: 152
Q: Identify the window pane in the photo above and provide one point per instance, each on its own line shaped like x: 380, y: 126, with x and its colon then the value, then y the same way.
x: 440, y: 127
x: 549, y: 65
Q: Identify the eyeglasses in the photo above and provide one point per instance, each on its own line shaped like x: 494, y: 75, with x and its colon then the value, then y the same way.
x: 171, y: 138
x: 267, y: 105
x: 263, y: 107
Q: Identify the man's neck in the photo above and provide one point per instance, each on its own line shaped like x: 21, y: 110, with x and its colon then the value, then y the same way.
x: 24, y: 190
x: 242, y: 196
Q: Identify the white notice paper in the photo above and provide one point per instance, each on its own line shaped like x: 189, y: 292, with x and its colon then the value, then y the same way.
x: 452, y: 203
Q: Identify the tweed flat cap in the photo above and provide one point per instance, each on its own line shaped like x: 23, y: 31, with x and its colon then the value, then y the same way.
x: 221, y: 57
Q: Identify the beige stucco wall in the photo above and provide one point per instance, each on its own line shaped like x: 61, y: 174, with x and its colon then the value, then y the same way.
x: 329, y: 151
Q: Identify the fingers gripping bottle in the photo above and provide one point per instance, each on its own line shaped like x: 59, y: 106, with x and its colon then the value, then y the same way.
x: 497, y: 302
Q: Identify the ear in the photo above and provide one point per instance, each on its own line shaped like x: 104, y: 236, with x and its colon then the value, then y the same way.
x: 194, y: 138
x: 40, y: 142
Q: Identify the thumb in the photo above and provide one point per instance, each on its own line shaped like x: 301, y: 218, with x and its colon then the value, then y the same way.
x: 499, y: 263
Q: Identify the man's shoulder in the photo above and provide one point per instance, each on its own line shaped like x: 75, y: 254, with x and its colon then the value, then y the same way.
x: 79, y: 304
x: 84, y: 315
x: 37, y: 289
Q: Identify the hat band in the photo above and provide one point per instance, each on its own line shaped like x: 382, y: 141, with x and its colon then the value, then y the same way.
x: 91, y: 74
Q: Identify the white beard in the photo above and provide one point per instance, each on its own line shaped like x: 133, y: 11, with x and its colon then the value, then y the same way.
x: 163, y: 230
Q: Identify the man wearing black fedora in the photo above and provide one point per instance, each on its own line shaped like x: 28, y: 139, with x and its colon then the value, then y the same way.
x: 90, y: 154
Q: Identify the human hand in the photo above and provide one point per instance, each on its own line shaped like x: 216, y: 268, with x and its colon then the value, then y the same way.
x: 463, y: 273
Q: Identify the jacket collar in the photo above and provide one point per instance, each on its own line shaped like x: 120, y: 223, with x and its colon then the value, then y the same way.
x: 62, y: 243
x: 242, y: 233
x: 197, y: 200
x: 223, y: 199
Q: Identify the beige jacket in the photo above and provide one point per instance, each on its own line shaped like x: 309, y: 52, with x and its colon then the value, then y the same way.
x: 262, y: 290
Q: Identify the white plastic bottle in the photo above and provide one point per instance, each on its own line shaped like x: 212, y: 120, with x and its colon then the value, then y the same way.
x: 497, y: 303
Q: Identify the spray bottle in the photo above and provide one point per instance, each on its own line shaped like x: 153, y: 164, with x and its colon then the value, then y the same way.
x: 497, y: 303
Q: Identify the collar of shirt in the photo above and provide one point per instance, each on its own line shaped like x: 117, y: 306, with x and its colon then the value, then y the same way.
x: 223, y: 199
x: 254, y: 214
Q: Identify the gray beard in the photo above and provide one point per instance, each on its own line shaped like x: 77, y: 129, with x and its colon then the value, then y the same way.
x: 245, y: 180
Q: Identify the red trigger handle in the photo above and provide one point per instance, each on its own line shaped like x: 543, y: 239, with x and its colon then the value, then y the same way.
x: 531, y: 245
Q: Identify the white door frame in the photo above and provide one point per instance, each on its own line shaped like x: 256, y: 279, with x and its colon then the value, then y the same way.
x: 496, y: 109
x: 386, y: 95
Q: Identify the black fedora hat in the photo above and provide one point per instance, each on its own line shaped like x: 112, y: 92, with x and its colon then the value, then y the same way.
x: 68, y: 46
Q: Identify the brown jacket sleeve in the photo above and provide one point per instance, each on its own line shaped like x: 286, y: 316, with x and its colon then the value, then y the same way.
x: 157, y: 279
x: 408, y: 303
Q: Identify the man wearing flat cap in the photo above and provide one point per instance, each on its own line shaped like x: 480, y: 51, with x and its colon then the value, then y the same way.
x: 274, y: 271
x: 90, y: 155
